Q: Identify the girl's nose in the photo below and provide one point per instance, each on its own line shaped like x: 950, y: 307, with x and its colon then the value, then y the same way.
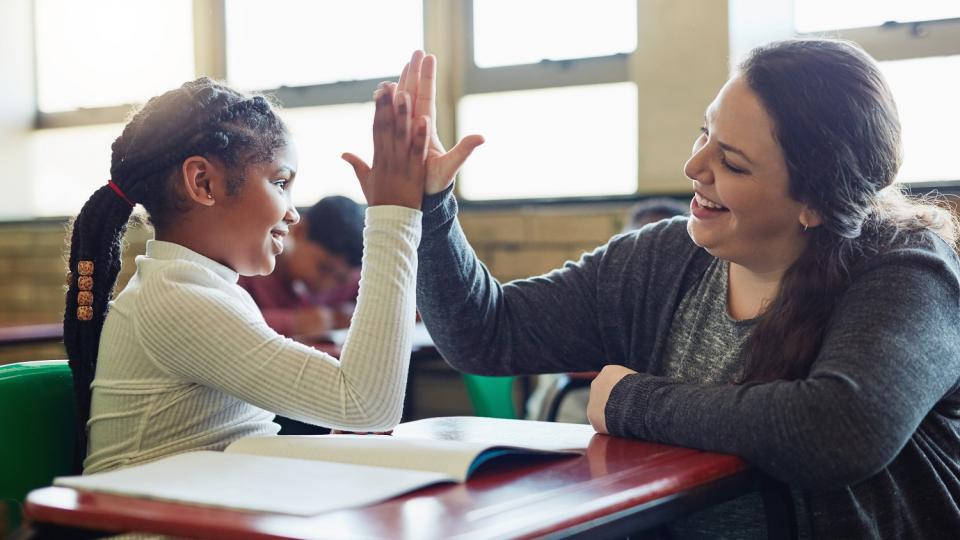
x: 292, y: 217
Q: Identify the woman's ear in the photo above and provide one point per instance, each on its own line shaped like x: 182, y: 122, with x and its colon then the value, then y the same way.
x: 199, y: 178
x: 809, y: 218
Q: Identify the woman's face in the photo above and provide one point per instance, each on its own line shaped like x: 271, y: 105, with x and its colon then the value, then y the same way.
x: 741, y: 210
x: 256, y: 219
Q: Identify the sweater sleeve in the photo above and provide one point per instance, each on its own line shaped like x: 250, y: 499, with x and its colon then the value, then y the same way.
x: 538, y: 325
x: 891, y: 352
x: 197, y: 327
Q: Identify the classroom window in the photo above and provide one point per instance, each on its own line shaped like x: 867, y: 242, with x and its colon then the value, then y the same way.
x: 302, y: 42
x: 546, y: 143
x: 819, y: 15
x: 96, y: 54
x: 322, y: 134
x: 925, y: 90
x: 551, y: 30
x: 917, y: 45
x: 69, y: 165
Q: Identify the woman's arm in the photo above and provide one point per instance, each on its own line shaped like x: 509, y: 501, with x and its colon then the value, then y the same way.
x: 891, y: 353
x: 543, y: 324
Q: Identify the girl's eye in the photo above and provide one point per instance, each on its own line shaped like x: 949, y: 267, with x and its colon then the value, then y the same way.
x: 282, y: 184
x: 704, y: 131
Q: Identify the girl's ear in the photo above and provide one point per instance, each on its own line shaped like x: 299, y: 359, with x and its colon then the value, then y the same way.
x: 200, y: 177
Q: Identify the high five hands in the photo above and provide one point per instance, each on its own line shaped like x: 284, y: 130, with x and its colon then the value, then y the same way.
x: 418, y: 85
x: 399, y: 152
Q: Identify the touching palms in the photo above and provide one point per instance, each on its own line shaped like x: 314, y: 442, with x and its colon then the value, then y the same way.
x: 418, y: 79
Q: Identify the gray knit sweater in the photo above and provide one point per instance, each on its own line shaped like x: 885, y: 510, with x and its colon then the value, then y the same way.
x: 871, y: 436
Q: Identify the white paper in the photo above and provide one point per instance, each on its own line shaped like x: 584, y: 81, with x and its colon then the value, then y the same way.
x: 256, y: 483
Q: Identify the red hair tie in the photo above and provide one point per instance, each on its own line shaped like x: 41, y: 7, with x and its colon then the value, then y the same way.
x: 116, y: 189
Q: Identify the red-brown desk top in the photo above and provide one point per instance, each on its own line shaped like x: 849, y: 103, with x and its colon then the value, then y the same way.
x: 507, y: 498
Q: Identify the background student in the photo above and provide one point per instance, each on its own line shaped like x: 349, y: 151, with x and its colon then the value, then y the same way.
x: 806, y: 317
x: 315, y: 284
x: 182, y: 359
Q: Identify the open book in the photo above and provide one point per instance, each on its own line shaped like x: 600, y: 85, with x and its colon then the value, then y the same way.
x: 307, y: 474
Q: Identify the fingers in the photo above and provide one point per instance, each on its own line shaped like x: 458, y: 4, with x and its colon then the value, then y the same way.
x: 454, y: 159
x: 413, y: 79
x: 360, y: 167
x: 401, y: 124
x: 402, y: 82
x: 426, y: 94
x: 421, y: 138
x: 383, y: 125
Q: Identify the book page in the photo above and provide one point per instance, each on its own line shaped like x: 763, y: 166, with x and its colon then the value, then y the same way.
x: 256, y: 483
x: 450, y: 458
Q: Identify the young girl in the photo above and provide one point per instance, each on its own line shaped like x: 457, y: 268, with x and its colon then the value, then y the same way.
x: 805, y: 317
x: 181, y: 359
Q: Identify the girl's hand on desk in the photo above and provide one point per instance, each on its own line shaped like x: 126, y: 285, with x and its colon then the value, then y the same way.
x: 399, y: 152
x: 600, y: 390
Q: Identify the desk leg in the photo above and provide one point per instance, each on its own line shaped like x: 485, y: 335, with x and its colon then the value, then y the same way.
x: 779, y: 510
x: 44, y: 531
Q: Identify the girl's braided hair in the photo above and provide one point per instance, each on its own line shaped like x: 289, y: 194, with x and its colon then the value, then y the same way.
x: 203, y: 118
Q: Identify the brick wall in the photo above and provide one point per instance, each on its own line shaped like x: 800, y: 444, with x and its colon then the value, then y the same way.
x: 514, y: 243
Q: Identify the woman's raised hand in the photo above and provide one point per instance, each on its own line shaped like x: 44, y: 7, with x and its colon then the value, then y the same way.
x: 418, y: 79
x: 398, y: 174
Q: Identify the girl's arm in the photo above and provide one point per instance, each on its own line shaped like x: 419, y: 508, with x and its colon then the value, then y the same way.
x: 197, y: 327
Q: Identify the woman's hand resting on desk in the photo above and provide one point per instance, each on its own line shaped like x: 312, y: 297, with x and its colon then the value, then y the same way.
x: 600, y: 390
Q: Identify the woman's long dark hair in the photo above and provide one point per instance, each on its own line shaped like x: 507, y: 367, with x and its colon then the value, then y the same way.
x: 201, y: 117
x: 837, y: 124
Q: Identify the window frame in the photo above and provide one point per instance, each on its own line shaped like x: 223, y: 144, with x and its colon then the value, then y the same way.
x: 893, y: 41
x: 448, y: 26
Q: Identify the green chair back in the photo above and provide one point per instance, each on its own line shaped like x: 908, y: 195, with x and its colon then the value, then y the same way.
x: 491, y: 396
x: 37, y: 430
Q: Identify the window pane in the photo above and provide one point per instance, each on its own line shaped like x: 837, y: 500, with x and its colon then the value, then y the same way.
x: 301, y: 42
x: 548, y: 143
x: 111, y: 52
x: 508, y: 32
x: 81, y: 164
x: 322, y: 134
x: 817, y: 15
x: 926, y: 93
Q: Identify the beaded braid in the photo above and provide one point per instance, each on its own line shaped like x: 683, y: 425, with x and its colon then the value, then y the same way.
x: 201, y: 117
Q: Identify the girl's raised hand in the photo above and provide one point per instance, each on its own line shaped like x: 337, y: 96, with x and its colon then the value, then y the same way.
x: 418, y: 79
x: 398, y: 174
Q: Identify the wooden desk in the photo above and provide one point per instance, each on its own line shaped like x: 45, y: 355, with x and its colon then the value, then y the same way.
x: 33, y: 333
x: 618, y: 487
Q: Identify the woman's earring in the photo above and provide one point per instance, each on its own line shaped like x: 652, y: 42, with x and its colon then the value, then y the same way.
x: 210, y: 196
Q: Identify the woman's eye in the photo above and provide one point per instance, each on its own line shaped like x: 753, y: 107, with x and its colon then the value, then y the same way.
x: 731, y: 168
x: 282, y: 184
x: 704, y: 131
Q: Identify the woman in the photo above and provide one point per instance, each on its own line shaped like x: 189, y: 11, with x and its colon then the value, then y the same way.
x: 805, y: 317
